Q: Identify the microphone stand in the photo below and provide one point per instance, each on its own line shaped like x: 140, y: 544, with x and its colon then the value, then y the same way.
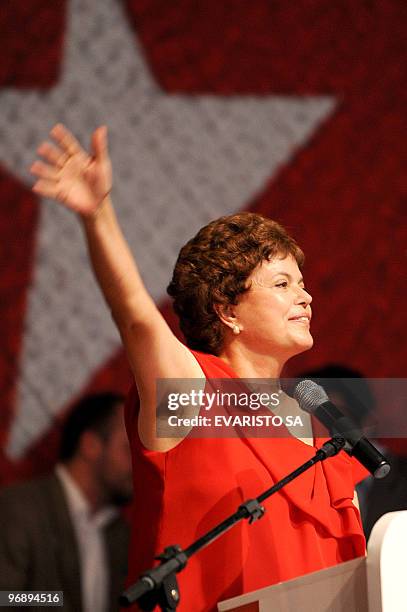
x: 158, y: 586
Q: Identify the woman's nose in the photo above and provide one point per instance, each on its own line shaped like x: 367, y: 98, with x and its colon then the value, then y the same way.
x: 304, y: 297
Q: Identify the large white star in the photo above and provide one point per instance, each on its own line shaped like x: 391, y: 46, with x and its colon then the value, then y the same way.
x: 179, y: 161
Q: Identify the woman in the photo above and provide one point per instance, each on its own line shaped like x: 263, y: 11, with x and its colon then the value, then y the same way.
x: 243, y: 308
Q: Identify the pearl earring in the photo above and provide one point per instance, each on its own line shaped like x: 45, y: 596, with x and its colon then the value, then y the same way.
x: 236, y: 330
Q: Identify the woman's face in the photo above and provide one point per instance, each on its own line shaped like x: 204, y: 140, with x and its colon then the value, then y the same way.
x: 274, y: 314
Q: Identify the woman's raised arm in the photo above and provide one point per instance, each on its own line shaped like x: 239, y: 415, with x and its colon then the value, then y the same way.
x: 82, y: 183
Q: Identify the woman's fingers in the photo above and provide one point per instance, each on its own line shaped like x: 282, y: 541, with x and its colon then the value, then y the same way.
x: 99, y: 143
x: 44, y: 171
x: 52, y: 154
x: 65, y: 139
x: 47, y: 188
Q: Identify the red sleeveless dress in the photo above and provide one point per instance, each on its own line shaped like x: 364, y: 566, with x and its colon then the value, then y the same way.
x: 179, y: 495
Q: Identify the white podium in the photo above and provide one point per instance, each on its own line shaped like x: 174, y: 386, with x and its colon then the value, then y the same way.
x: 376, y: 583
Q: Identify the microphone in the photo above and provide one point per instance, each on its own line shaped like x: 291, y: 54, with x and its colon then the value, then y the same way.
x: 313, y: 399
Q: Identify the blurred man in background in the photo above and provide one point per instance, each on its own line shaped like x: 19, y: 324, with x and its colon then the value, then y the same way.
x: 64, y: 532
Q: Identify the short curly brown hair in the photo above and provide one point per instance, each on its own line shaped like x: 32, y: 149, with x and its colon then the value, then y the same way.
x: 213, y: 268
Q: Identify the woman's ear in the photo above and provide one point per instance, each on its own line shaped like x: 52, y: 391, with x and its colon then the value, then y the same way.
x: 227, y: 314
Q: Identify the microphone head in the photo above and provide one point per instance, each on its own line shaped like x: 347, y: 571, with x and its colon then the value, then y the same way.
x: 309, y: 395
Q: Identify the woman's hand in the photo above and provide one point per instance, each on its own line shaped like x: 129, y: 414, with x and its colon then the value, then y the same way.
x: 79, y: 181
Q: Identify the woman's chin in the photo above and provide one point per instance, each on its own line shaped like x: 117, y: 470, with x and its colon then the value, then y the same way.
x: 302, y: 345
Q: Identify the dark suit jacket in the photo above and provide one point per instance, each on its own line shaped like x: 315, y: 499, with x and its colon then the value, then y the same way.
x: 38, y: 549
x: 387, y: 494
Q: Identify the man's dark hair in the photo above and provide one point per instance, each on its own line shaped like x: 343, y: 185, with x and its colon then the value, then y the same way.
x: 91, y: 413
x: 350, y: 385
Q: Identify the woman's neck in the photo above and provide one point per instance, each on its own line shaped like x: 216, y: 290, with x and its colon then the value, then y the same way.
x: 248, y: 364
